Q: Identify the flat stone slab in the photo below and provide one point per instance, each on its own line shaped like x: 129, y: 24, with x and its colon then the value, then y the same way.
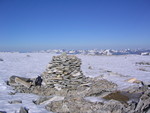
x: 22, y: 82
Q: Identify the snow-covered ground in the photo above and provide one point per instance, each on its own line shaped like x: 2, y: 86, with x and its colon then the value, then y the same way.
x: 114, y: 68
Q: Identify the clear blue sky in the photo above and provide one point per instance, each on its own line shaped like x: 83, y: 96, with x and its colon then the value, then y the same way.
x: 74, y: 24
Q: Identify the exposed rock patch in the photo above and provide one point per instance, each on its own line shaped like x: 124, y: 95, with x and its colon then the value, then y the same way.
x: 73, y: 105
x: 15, y: 102
x: 23, y: 110
x: 78, y: 104
x: 63, y: 89
x: 63, y: 76
x: 1, y: 59
x: 143, y: 63
x: 143, y: 105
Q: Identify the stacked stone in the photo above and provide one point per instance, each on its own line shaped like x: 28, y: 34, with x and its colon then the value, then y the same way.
x: 64, y: 71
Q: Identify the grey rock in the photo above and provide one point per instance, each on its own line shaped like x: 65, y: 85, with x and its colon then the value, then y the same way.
x: 1, y: 59
x: 47, y: 100
x: 144, y: 103
x: 22, y: 82
x: 12, y: 93
x: 77, y: 104
x: 12, y: 80
x: 131, y: 105
x: 113, y: 107
x: 23, y: 110
x: 148, y: 111
x: 15, y: 102
x: 28, y: 55
x: 90, y: 67
x: 41, y: 100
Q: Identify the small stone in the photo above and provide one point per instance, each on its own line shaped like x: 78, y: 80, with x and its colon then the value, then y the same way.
x: 15, y: 102
x: 133, y: 80
x: 28, y: 56
x: 76, y: 74
x: 47, y: 100
x: 1, y: 59
x: 23, y: 110
x: 58, y: 87
x: 65, y: 108
x: 12, y: 93
x: 89, y: 67
x: 49, y: 71
x: 41, y: 100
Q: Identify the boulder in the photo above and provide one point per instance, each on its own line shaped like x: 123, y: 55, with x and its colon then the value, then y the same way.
x: 22, y: 82
x: 12, y: 81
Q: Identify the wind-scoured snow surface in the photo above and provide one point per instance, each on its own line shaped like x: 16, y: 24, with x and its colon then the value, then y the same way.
x: 25, y: 65
x: 114, y: 68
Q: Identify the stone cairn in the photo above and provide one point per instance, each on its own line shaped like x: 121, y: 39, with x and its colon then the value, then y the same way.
x: 64, y: 71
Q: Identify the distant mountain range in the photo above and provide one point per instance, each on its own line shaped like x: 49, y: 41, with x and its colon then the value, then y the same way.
x: 100, y: 52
